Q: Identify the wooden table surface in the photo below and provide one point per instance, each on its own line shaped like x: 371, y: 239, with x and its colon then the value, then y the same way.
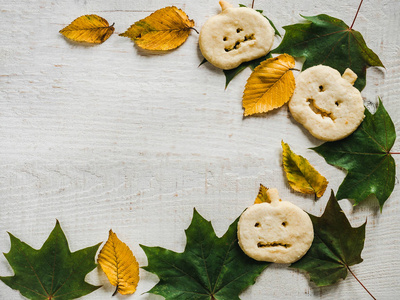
x: 110, y: 136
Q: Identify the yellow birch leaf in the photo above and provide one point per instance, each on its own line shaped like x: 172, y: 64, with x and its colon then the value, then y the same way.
x: 269, y: 86
x: 301, y: 175
x: 88, y: 28
x: 262, y: 195
x: 165, y: 29
x: 119, y: 264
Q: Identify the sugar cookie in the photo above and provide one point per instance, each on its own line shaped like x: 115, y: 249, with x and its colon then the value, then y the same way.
x: 234, y: 36
x: 327, y: 104
x: 277, y: 232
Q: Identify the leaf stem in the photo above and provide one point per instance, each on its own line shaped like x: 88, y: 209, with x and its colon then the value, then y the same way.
x: 351, y: 272
x: 194, y: 29
x: 394, y: 152
x: 355, y: 17
x: 252, y: 4
x: 116, y: 291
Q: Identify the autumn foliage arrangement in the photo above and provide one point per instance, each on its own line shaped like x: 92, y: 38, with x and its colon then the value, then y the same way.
x: 215, y: 267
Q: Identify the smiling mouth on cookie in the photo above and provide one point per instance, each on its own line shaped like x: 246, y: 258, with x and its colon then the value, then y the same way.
x: 273, y: 244
x: 240, y: 42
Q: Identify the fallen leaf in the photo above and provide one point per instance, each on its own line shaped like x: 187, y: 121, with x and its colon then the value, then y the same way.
x: 301, y: 175
x: 89, y: 28
x: 269, y: 86
x: 366, y: 156
x: 329, y: 41
x: 119, y: 264
x: 209, y: 268
x: 52, y: 272
x: 262, y: 195
x: 336, y: 246
x: 165, y: 29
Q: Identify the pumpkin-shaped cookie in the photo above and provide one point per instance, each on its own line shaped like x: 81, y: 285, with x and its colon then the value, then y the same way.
x: 278, y: 231
x: 234, y: 36
x: 327, y: 104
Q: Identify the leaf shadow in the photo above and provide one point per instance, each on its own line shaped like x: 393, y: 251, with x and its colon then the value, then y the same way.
x: 144, y: 52
x: 320, y: 291
x: 79, y: 44
x: 368, y: 204
x: 103, y: 281
x: 266, y: 114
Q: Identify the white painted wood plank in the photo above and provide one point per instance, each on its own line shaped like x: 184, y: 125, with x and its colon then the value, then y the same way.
x: 111, y: 137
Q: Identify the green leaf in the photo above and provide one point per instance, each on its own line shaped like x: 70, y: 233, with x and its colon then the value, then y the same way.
x: 329, y: 41
x: 366, y: 157
x: 336, y: 246
x: 209, y: 268
x: 52, y: 272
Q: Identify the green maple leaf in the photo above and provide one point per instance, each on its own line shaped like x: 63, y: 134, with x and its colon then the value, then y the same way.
x: 329, y: 41
x: 366, y: 156
x: 52, y: 272
x: 209, y: 268
x: 336, y: 246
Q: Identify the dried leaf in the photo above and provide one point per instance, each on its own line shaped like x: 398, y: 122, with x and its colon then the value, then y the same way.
x: 301, y: 175
x: 165, y: 29
x: 270, y: 85
x: 119, y: 264
x: 262, y: 195
x: 89, y: 28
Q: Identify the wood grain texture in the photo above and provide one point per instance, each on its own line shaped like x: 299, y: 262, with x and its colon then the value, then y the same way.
x: 110, y: 136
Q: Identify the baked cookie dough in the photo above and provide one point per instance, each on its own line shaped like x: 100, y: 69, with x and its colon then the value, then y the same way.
x: 278, y: 232
x: 236, y: 35
x: 327, y: 104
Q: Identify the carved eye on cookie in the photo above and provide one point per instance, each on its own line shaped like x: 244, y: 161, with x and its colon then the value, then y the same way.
x: 278, y: 231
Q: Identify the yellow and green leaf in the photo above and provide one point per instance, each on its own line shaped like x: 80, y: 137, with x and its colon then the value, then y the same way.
x: 262, y: 195
x: 165, y: 29
x: 119, y: 264
x: 88, y: 28
x: 302, y: 176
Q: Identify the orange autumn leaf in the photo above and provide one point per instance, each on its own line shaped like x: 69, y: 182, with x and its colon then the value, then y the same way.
x: 302, y: 176
x: 269, y: 86
x: 165, y: 29
x: 119, y: 264
x: 262, y: 195
x: 89, y: 28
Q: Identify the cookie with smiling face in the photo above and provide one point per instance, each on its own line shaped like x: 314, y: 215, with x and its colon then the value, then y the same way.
x: 327, y: 104
x: 278, y: 231
x: 236, y: 35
